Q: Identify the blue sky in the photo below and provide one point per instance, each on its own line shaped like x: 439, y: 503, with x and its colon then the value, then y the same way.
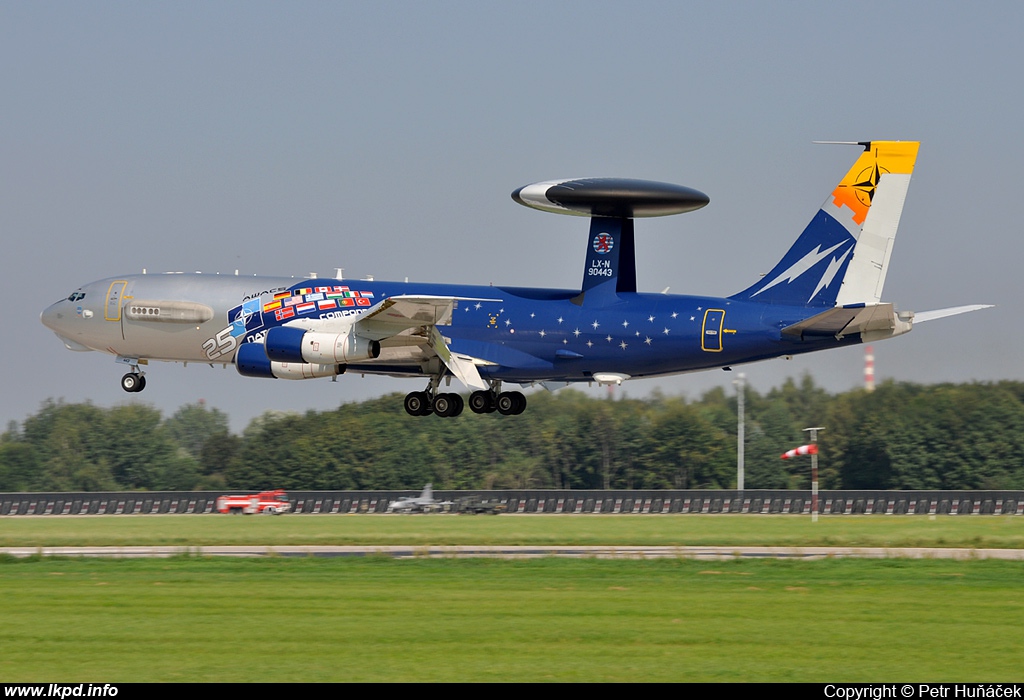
x: 385, y: 138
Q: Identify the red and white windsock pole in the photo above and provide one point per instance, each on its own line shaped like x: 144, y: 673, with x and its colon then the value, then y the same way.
x: 811, y: 449
x: 869, y: 368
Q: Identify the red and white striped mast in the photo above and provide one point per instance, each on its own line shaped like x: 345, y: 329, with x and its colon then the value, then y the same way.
x: 869, y: 368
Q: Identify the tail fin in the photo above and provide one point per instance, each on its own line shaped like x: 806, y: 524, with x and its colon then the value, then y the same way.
x: 842, y: 256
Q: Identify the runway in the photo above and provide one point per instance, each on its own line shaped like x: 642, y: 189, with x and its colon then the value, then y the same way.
x: 706, y: 553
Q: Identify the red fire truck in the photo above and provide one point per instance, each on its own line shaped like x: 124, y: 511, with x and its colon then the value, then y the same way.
x: 269, y: 502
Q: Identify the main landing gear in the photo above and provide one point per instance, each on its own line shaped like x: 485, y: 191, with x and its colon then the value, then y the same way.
x: 420, y: 403
x: 507, y: 403
x: 445, y: 405
x: 133, y: 382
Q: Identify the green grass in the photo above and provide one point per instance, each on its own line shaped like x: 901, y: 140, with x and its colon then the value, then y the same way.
x: 377, y: 619
x: 671, y: 530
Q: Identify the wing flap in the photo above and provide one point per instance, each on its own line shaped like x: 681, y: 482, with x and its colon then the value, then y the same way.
x: 462, y: 366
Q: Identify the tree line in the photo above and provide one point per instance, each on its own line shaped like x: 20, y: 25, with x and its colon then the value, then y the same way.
x: 901, y: 436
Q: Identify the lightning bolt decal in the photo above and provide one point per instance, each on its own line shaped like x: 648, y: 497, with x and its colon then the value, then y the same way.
x: 800, y: 267
x: 830, y: 273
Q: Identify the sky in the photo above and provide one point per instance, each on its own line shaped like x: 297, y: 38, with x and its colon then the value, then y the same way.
x: 385, y: 138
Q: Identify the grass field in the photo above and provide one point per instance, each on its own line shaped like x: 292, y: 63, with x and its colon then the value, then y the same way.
x: 379, y: 619
x: 672, y: 530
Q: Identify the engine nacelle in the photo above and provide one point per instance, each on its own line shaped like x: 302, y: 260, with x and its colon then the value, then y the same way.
x: 251, y: 361
x: 290, y: 344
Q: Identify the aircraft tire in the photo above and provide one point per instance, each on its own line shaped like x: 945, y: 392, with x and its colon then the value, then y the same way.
x: 444, y: 405
x: 507, y: 403
x: 481, y: 402
x: 520, y: 403
x: 133, y: 382
x: 459, y: 404
x: 417, y: 403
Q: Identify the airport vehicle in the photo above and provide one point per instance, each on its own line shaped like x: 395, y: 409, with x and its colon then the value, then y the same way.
x: 824, y: 293
x: 424, y: 503
x: 267, y: 502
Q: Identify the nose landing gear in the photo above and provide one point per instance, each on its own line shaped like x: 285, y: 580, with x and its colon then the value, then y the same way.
x: 133, y: 382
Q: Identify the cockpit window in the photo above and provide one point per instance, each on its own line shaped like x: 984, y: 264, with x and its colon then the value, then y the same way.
x: 76, y: 296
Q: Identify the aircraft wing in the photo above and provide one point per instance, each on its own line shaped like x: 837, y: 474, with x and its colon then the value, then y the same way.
x: 396, y: 314
x: 416, y: 316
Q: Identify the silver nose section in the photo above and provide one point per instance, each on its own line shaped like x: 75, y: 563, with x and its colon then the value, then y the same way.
x: 58, y: 318
x: 53, y: 315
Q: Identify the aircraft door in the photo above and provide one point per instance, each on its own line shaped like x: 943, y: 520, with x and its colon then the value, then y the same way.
x: 115, y: 294
x: 711, y: 331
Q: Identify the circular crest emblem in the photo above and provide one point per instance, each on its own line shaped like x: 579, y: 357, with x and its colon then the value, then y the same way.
x: 603, y: 243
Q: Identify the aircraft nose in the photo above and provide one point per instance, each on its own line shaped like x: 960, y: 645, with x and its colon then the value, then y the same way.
x: 52, y: 316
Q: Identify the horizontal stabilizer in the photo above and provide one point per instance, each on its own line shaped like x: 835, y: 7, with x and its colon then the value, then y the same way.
x: 842, y: 321
x: 922, y: 316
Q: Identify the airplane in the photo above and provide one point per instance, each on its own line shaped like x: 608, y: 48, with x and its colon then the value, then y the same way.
x: 424, y: 503
x: 825, y: 292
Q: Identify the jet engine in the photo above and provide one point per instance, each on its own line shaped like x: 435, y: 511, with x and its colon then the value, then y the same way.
x: 290, y: 344
x: 251, y: 361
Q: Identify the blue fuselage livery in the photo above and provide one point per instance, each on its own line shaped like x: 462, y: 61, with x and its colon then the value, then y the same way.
x: 824, y: 293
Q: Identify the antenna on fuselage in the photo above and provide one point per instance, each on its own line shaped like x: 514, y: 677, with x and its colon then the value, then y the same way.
x: 611, y: 204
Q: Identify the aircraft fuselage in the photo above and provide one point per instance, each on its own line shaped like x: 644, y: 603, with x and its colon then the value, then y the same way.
x: 522, y: 334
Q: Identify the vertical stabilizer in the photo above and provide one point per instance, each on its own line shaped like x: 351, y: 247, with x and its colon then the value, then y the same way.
x: 842, y: 257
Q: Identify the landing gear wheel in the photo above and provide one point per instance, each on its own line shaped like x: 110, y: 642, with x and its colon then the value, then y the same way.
x: 443, y: 405
x: 511, y: 403
x: 481, y: 402
x: 133, y: 382
x: 520, y: 403
x: 417, y: 403
x: 448, y: 405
